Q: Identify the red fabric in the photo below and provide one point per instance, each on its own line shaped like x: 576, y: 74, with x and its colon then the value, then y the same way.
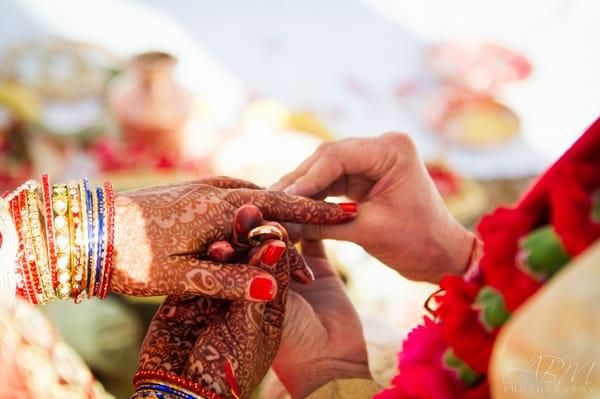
x: 586, y: 148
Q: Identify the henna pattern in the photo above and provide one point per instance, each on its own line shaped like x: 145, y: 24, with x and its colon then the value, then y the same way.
x: 160, y: 231
x: 247, y: 335
x: 198, y: 337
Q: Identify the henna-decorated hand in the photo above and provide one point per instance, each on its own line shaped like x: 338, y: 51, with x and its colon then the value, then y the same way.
x: 161, y: 231
x: 322, y: 335
x: 224, y: 346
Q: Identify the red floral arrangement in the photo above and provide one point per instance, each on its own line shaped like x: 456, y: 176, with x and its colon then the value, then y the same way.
x: 523, y: 247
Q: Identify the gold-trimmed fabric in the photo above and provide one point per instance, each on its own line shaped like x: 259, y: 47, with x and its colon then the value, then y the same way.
x: 351, y: 388
x: 8, y: 253
x: 36, y: 363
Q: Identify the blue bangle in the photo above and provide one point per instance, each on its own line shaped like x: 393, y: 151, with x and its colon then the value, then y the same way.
x: 100, y: 242
x: 90, y: 229
x: 157, y: 388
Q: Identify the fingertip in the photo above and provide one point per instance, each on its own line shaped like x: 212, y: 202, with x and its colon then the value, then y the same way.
x: 349, y: 208
x: 303, y: 276
x: 273, y: 253
x: 262, y: 288
x: 277, y: 186
x: 292, y: 189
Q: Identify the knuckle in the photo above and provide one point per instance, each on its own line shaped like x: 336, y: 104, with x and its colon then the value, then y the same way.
x: 323, y: 146
x: 399, y: 140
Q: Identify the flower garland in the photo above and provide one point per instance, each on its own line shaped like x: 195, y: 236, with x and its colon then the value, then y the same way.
x: 523, y: 247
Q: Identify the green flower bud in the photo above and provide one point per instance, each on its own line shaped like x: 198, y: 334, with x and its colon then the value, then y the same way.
x: 493, y: 312
x: 466, y: 374
x: 545, y: 253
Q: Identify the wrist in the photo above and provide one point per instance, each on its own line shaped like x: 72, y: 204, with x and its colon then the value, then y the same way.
x: 304, y: 379
x: 455, y: 247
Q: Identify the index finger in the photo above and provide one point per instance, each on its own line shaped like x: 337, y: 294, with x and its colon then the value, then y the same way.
x: 283, y: 207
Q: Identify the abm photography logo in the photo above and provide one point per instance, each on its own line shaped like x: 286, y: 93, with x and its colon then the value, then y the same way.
x: 553, y: 374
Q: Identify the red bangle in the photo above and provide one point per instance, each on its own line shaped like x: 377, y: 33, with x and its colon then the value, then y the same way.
x: 21, y: 288
x: 110, y: 238
x: 181, y: 382
x: 471, y: 270
x: 49, y: 223
x: 27, y: 284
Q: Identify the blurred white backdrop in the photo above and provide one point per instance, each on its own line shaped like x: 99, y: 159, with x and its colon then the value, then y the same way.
x: 345, y: 60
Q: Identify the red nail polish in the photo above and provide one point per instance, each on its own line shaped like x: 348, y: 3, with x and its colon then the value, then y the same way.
x: 272, y: 255
x: 349, y: 207
x: 262, y: 289
x: 230, y: 377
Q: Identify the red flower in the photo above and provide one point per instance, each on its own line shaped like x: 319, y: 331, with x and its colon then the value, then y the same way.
x: 571, y: 206
x: 501, y: 232
x: 422, y: 374
x: 463, y: 331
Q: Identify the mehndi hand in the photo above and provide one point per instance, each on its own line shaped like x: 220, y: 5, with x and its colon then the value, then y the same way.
x: 226, y: 347
x: 161, y: 231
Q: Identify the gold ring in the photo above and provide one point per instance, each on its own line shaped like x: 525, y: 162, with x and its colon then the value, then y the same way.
x: 254, y: 236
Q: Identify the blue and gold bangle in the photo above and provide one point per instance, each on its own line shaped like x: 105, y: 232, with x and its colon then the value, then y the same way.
x: 100, y: 239
x: 91, y: 237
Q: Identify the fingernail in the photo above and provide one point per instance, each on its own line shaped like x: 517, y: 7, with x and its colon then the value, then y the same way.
x: 262, y: 288
x: 304, y: 276
x: 349, y: 208
x: 272, y: 254
x: 291, y: 189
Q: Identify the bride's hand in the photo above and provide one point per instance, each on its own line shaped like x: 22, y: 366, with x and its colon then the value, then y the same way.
x: 160, y: 232
x: 226, y: 347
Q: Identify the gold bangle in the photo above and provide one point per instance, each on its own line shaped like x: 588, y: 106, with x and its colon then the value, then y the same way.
x: 60, y: 206
x: 84, y: 235
x: 29, y: 248
x: 39, y: 247
x: 76, y: 241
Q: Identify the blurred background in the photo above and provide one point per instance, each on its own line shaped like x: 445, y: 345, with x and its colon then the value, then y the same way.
x: 148, y: 92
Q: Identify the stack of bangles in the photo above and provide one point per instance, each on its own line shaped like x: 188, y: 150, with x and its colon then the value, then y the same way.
x: 56, y: 241
x: 158, y: 384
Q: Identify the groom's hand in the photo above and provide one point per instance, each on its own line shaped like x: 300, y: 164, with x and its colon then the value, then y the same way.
x: 403, y: 221
x: 322, y: 335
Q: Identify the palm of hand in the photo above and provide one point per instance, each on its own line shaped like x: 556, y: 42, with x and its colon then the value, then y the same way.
x: 322, y: 332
